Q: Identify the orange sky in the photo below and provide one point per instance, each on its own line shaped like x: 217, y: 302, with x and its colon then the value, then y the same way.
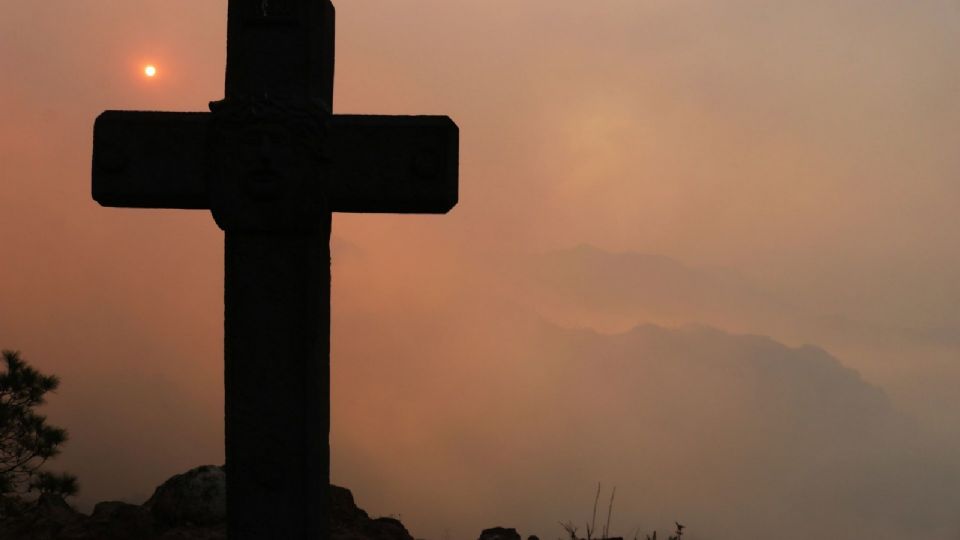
x: 628, y: 167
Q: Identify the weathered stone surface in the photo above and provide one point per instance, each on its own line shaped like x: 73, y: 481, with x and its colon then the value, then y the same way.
x: 499, y: 533
x: 197, y: 497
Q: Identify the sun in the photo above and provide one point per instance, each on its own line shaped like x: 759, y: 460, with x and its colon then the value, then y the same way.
x: 150, y: 71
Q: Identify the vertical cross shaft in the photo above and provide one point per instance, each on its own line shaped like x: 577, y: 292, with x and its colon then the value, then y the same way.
x: 283, y: 49
x: 277, y: 287
x: 276, y: 352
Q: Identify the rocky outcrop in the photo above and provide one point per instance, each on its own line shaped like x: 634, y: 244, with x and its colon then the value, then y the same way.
x: 499, y: 533
x: 188, y: 506
x: 348, y: 522
x: 197, y: 498
x: 114, y: 520
x: 49, y: 519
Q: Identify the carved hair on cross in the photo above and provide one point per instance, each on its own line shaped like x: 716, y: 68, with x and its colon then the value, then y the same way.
x: 305, y: 122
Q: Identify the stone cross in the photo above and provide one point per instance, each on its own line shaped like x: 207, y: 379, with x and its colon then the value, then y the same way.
x: 272, y: 162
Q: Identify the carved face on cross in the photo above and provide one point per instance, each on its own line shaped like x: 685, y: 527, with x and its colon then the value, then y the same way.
x: 269, y: 165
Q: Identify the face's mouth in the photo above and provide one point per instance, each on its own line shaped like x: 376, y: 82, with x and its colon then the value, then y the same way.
x: 264, y: 183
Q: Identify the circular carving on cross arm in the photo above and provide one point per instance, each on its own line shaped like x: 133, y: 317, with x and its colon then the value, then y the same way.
x: 426, y: 164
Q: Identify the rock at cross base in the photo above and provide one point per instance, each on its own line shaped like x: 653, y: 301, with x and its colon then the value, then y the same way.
x: 113, y: 520
x: 188, y: 506
x: 197, y: 497
x: 499, y: 533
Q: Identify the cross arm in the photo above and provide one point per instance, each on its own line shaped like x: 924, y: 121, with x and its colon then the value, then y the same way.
x: 386, y: 164
x: 150, y: 159
x: 393, y: 164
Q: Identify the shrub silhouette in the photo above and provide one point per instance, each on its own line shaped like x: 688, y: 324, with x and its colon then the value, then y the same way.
x: 26, y: 440
x: 571, y: 529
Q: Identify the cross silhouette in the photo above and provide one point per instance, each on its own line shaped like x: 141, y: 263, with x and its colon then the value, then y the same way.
x: 271, y: 161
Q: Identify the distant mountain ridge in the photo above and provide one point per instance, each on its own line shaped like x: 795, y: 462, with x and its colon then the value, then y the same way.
x: 588, y: 286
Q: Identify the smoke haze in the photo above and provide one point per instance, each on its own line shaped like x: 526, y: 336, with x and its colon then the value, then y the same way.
x: 705, y: 252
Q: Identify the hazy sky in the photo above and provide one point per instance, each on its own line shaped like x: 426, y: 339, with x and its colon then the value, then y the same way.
x: 705, y: 251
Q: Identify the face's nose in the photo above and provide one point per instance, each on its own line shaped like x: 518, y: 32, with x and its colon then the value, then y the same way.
x: 266, y: 150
